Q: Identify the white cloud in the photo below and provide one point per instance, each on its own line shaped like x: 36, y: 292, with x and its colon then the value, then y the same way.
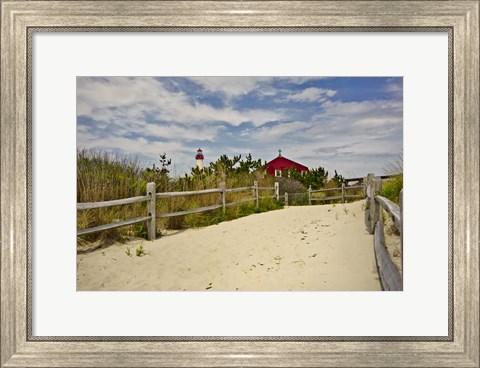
x: 311, y: 94
x: 127, y: 112
x: 230, y: 86
x: 277, y: 132
x: 122, y: 100
x: 350, y: 109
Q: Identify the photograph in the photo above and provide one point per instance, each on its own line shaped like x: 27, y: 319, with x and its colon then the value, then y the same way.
x: 238, y: 168
x: 236, y: 183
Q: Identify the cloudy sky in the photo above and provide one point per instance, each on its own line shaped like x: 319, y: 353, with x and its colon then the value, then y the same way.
x: 353, y: 125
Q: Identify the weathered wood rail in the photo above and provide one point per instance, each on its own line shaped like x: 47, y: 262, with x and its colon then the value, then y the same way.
x: 152, y: 196
x: 390, y: 277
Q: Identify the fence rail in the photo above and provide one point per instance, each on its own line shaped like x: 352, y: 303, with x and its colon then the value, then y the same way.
x: 375, y: 204
x: 236, y: 190
x: 151, y: 197
x: 112, y: 225
x: 184, y: 194
x: 309, y: 195
x: 116, y: 202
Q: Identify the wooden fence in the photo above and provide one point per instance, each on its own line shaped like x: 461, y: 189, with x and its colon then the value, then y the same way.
x: 152, y: 196
x: 343, y: 194
x: 375, y: 204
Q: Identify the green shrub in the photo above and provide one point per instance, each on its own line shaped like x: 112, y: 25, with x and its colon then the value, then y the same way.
x: 391, y: 189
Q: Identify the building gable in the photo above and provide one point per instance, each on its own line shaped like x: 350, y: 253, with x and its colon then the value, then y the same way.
x: 281, y: 163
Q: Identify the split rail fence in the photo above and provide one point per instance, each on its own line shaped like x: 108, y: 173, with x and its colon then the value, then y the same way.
x: 390, y: 277
x: 342, y: 194
x: 152, y: 196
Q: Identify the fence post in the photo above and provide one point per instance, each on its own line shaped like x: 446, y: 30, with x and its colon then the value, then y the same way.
x: 375, y: 208
x: 222, y: 195
x: 286, y: 199
x: 255, y: 188
x: 152, y: 223
x: 343, y: 192
x: 277, y: 190
x: 370, y: 193
x: 310, y: 194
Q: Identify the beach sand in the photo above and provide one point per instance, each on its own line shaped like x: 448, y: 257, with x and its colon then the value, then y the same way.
x: 309, y: 248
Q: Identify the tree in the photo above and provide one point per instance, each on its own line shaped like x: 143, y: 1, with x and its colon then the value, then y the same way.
x: 315, y: 177
x: 159, y: 174
x: 164, y: 164
x: 338, y: 179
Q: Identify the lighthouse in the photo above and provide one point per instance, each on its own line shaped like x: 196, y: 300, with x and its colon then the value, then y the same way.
x: 199, y: 158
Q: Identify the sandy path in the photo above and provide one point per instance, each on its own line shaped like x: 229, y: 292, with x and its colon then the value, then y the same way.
x: 297, y: 248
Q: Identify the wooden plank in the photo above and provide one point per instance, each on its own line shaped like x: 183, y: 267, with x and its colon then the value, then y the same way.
x: 240, y: 202
x: 389, y: 275
x: 354, y: 187
x: 327, y: 198
x: 236, y: 190
x: 374, y: 207
x: 223, y: 195
x: 266, y: 188
x: 180, y: 194
x: 352, y: 179
x: 367, y: 216
x: 392, y: 209
x: 368, y: 203
x: 189, y: 212
x: 115, y: 202
x: 298, y: 194
x: 358, y: 196
x: 326, y: 190
x: 151, y: 224
x: 112, y: 225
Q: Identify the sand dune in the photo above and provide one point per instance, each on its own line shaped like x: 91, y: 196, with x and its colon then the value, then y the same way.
x: 308, y: 248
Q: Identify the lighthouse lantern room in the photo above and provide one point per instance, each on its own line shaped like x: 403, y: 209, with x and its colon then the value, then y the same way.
x: 199, y: 158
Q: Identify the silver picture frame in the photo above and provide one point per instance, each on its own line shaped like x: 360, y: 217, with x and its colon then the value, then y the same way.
x: 19, y: 22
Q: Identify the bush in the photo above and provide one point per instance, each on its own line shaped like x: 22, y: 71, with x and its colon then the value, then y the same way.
x: 391, y: 189
x: 290, y: 185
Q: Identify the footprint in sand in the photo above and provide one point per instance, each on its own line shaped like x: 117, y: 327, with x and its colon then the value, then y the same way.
x: 300, y: 263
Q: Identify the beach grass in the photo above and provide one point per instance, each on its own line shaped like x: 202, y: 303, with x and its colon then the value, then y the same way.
x: 391, y: 188
x: 103, y: 177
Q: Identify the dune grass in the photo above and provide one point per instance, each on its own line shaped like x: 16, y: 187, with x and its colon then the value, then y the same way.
x: 391, y: 188
x: 104, y: 177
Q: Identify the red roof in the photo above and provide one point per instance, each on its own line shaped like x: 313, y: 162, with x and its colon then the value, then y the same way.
x: 282, y: 163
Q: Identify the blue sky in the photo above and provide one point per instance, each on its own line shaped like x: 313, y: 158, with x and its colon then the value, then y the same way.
x: 350, y: 124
